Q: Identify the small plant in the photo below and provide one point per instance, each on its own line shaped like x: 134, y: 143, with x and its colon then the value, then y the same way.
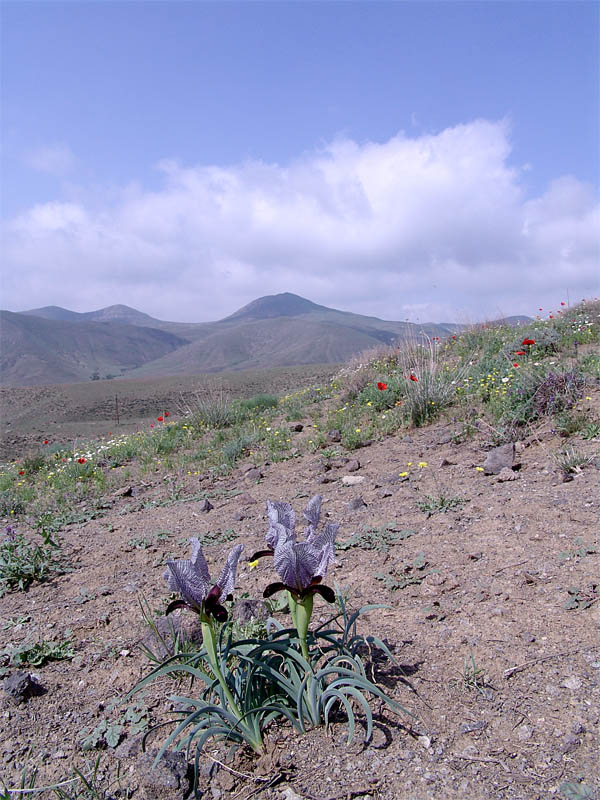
x: 440, y: 503
x: 580, y: 599
x: 372, y: 538
x: 580, y: 550
x: 574, y: 790
x: 473, y: 676
x: 22, y: 561
x: 86, y: 784
x: 260, y: 402
x: 210, y: 408
x: 568, y: 423
x: 36, y: 654
x: 591, y: 430
x: 571, y: 461
x: 406, y: 574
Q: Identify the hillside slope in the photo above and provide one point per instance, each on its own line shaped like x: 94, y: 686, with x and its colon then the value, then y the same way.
x: 37, y: 351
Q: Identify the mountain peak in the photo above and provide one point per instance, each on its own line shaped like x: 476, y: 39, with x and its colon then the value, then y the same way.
x: 285, y: 304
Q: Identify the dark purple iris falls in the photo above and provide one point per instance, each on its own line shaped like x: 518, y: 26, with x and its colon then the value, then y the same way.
x: 191, y: 579
x: 300, y: 565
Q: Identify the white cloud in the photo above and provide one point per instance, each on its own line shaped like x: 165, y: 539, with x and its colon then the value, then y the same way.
x: 55, y: 159
x: 435, y: 227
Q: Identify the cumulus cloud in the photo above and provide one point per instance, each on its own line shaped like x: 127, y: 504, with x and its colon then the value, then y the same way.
x: 436, y: 227
x: 55, y: 159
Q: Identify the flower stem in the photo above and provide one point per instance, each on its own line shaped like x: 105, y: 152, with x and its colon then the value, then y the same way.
x: 210, y: 645
x: 304, y: 609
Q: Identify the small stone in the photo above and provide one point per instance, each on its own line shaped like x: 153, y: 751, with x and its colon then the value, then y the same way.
x: 205, y: 506
x: 499, y: 458
x: 524, y: 733
x: 352, y: 480
x: 472, y: 727
x: 506, y: 474
x: 327, y: 478
x: 572, y: 683
x: 353, y: 466
x: 447, y: 463
x: 253, y: 474
x: 357, y: 504
x: 247, y: 499
x: 569, y: 744
x: 383, y: 493
x: 239, y: 516
x: 20, y: 686
x: 334, y: 435
x: 169, y: 775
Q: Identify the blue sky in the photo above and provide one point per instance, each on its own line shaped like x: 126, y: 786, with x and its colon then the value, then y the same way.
x: 409, y: 160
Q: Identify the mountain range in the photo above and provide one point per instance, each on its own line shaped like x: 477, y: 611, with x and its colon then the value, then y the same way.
x: 53, y: 345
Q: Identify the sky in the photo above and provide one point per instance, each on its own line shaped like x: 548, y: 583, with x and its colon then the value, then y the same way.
x: 430, y: 161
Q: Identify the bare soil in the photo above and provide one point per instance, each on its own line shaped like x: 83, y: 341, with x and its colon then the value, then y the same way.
x: 494, y: 584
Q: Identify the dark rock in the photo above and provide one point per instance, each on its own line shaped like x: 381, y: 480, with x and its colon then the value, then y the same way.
x: 390, y: 477
x: 205, y: 506
x: 334, y: 435
x: 20, y: 686
x: 327, y: 478
x: 446, y: 463
x: 357, y: 504
x: 383, y: 493
x: 254, y: 474
x: 445, y: 438
x: 249, y: 609
x: 168, y: 780
x: 297, y: 427
x: 353, y: 465
x: 499, y: 458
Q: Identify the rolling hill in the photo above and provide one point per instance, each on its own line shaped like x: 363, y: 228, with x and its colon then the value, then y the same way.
x: 35, y: 350
x: 55, y: 345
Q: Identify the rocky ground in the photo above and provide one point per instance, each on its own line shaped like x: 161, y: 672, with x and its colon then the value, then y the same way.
x: 494, y: 620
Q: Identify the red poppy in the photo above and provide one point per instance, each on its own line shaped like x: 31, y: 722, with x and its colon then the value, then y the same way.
x: 515, y: 365
x: 21, y: 472
x: 520, y: 352
x: 563, y: 303
x: 527, y: 342
x: 110, y: 433
x: 167, y: 414
x: 382, y: 386
x: 413, y: 377
x: 152, y: 425
x: 454, y: 337
x: 159, y: 419
x: 46, y: 441
x: 81, y: 460
x: 540, y: 309
x: 550, y: 316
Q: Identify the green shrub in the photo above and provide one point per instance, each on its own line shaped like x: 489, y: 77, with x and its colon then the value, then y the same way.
x: 22, y: 562
x: 260, y: 402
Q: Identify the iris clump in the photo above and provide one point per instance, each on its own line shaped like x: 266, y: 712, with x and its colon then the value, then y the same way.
x: 298, y: 674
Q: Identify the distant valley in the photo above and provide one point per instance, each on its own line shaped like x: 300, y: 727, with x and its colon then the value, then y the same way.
x: 53, y: 345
